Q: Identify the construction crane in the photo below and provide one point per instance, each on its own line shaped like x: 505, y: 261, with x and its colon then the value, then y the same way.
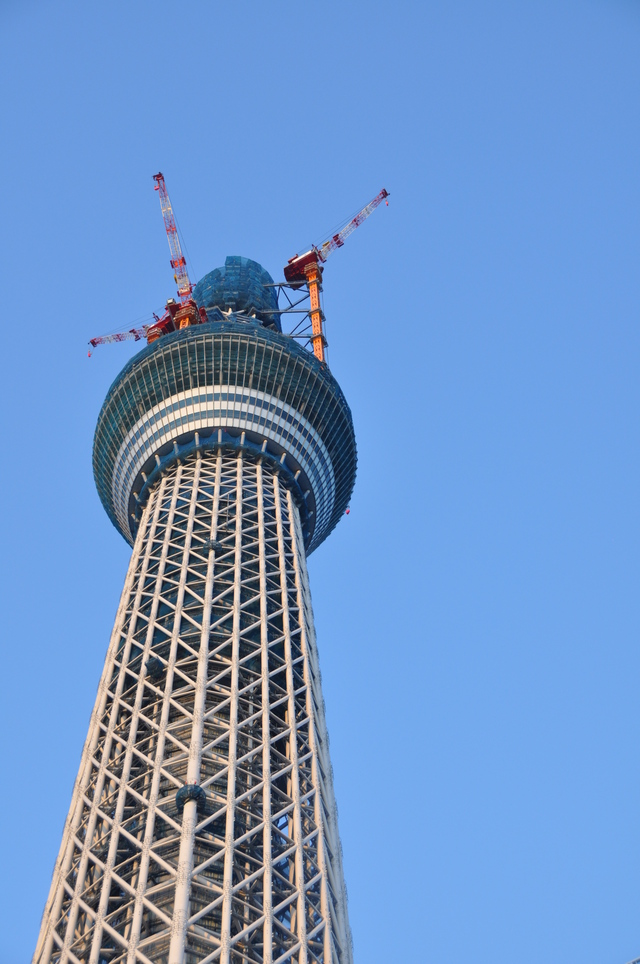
x: 301, y: 269
x: 178, y: 262
x: 307, y: 269
x: 176, y: 315
x: 134, y: 334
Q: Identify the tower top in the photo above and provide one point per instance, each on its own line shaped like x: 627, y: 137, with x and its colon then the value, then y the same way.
x: 242, y: 285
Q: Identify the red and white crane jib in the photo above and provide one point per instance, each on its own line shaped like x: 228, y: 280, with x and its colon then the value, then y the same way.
x: 178, y: 263
x: 339, y: 239
x: 296, y: 268
x: 134, y: 334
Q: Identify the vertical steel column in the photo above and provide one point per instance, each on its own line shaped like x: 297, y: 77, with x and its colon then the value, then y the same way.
x: 300, y: 916
x: 266, y: 731
x: 190, y: 811
x: 312, y: 704
x: 227, y: 885
x: 334, y: 875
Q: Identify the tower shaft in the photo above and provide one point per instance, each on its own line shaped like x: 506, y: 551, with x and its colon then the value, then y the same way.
x: 203, y: 823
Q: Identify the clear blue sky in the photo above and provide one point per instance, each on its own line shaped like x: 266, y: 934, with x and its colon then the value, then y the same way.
x: 478, y: 610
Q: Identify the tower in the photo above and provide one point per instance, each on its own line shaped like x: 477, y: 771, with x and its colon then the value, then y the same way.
x: 203, y: 822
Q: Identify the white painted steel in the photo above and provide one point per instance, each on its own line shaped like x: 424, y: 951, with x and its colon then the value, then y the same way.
x: 205, y: 408
x: 211, y: 678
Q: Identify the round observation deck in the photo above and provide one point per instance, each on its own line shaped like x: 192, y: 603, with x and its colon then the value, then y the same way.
x: 231, y: 384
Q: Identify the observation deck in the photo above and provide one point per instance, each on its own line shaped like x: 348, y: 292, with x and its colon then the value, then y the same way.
x: 231, y: 384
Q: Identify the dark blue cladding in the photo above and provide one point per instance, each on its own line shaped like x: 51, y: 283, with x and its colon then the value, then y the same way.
x: 243, y: 286
x: 240, y: 354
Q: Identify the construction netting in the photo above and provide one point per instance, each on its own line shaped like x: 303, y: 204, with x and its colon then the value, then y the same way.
x: 241, y: 286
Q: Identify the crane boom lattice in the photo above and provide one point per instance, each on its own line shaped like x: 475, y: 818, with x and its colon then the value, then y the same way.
x: 178, y: 262
x: 339, y: 239
x: 134, y: 334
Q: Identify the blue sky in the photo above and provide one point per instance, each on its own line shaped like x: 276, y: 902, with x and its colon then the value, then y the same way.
x: 477, y: 612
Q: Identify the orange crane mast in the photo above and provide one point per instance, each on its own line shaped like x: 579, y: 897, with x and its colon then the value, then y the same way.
x: 307, y: 268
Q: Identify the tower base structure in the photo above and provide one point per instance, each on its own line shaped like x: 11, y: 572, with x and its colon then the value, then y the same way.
x: 203, y: 822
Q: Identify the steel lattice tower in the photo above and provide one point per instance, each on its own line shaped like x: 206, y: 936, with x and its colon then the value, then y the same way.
x: 203, y: 823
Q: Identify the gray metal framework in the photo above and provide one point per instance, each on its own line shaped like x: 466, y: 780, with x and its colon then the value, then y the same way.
x: 203, y: 823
